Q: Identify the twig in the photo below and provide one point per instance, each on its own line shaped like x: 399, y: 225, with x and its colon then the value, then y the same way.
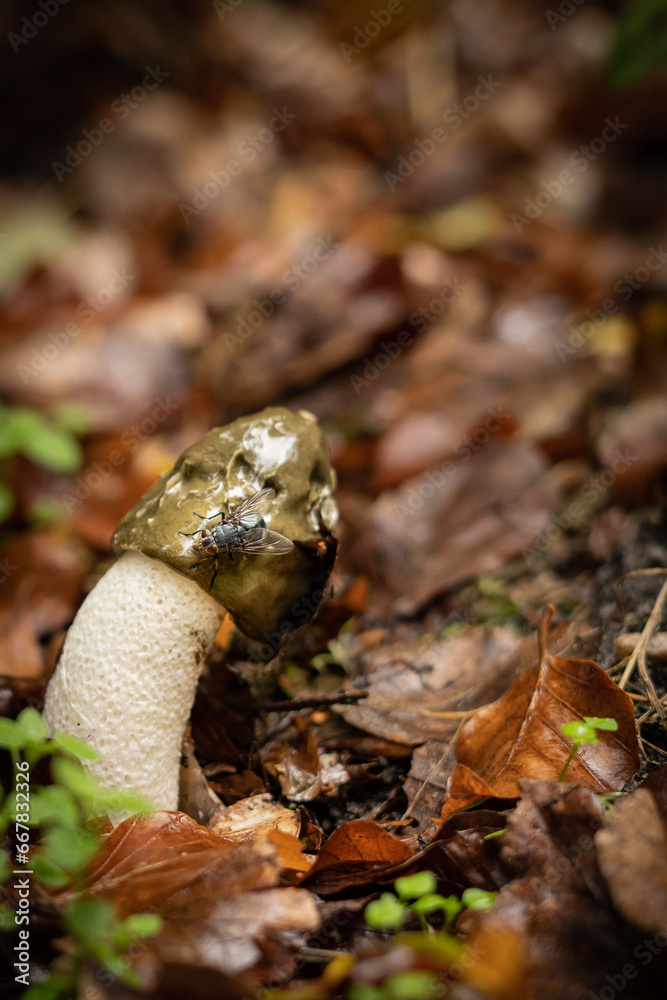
x: 653, y: 746
x: 312, y: 701
x: 638, y: 656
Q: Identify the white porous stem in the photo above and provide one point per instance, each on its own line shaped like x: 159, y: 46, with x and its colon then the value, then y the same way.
x: 127, y: 676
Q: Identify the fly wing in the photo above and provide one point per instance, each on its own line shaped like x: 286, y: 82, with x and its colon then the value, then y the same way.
x: 254, y: 506
x: 261, y: 541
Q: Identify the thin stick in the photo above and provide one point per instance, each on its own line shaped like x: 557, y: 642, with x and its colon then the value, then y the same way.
x: 638, y: 655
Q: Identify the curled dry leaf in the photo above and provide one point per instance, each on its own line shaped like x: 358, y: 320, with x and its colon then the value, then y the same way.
x: 480, y: 515
x: 574, y: 941
x: 632, y: 853
x: 520, y: 737
x: 148, y: 860
x: 218, y: 900
x: 354, y: 855
x: 418, y: 690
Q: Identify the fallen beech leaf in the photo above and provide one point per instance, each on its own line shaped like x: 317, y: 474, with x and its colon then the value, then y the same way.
x: 493, y: 504
x: 225, y: 930
x: 353, y: 855
x: 148, y: 860
x: 465, y: 788
x: 520, y: 736
x: 573, y: 939
x: 656, y: 783
x: 218, y: 900
x: 632, y: 853
x: 411, y: 682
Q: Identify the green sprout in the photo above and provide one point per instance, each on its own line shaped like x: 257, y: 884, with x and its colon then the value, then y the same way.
x: 51, y: 443
x: 584, y: 731
x: 61, y: 818
x: 416, y: 894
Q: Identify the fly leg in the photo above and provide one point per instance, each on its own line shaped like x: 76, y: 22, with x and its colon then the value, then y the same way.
x: 210, y: 517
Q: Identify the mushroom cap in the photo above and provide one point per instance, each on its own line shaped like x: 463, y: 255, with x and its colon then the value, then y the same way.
x: 265, y: 594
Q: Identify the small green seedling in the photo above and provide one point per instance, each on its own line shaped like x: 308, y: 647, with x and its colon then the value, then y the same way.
x: 51, y: 443
x: 584, y: 731
x: 60, y: 819
x: 416, y: 894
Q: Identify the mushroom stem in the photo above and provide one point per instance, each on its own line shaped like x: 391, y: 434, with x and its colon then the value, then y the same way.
x: 128, y: 673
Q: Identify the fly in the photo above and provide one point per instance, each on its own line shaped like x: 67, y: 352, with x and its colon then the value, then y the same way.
x: 244, y: 530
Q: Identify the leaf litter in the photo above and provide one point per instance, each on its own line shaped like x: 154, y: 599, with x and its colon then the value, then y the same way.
x: 498, y: 435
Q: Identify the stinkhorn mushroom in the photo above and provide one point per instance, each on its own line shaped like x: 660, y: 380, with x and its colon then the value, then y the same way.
x: 128, y: 672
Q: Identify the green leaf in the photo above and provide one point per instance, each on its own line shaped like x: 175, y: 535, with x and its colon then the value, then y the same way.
x: 7, y: 918
x: 451, y: 906
x: 55, y: 448
x: 478, y: 899
x: 53, y: 988
x: 90, y: 920
x: 70, y: 849
x: 32, y: 725
x: 414, y: 886
x: 11, y: 737
x: 639, y: 45
x: 609, y: 725
x: 70, y: 774
x: 364, y: 991
x: 74, y: 417
x: 18, y: 425
x: 413, y: 985
x: 75, y: 748
x: 7, y: 501
x: 49, y: 873
x: 46, y: 511
x: 142, y: 925
x: 385, y: 913
x: 5, y: 867
x: 110, y: 800
x: 53, y: 804
x: 579, y: 732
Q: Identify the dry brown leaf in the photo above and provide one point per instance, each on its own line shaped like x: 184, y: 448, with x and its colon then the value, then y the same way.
x: 632, y: 853
x: 411, y: 682
x: 520, y: 737
x: 573, y: 939
x: 148, y: 860
x: 354, y: 854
